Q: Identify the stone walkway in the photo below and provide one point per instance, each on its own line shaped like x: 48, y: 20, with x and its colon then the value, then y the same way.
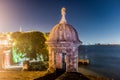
x: 15, y: 73
x: 62, y: 75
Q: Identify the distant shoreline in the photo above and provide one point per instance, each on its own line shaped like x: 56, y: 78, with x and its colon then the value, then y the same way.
x: 101, y: 45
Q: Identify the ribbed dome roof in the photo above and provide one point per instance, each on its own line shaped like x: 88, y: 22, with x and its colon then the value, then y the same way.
x: 63, y: 31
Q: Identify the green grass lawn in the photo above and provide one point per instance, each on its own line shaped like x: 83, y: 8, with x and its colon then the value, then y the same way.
x: 21, y: 75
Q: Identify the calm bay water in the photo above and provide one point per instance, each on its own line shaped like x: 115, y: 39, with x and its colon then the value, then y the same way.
x: 104, y: 60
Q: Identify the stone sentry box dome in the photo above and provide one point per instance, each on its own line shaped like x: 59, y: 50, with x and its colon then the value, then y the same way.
x: 63, y: 45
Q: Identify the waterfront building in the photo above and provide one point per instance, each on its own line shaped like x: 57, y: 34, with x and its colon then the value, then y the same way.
x: 5, y: 51
x: 63, y: 45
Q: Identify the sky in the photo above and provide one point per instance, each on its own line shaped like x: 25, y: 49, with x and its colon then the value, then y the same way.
x: 96, y: 21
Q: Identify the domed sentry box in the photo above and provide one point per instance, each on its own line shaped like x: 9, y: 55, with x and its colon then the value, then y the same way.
x: 63, y: 45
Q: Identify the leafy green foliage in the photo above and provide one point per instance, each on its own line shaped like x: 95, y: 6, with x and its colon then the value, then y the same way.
x: 32, y: 44
x: 35, y: 66
x: 16, y: 57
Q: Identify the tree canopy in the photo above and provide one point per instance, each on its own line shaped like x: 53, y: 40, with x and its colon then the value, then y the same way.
x: 31, y: 44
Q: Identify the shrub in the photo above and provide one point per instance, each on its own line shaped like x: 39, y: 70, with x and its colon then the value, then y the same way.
x: 37, y: 66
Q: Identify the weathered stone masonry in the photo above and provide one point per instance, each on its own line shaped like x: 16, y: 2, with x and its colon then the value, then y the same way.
x: 63, y: 45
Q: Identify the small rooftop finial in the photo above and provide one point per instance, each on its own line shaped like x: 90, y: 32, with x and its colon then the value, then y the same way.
x: 63, y: 13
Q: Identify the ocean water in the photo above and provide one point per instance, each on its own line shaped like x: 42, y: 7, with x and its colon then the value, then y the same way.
x: 104, y: 59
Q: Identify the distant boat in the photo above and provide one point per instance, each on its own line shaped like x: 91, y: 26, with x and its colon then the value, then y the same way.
x: 84, y: 60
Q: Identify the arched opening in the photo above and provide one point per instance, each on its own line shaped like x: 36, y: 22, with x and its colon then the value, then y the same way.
x: 63, y: 61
